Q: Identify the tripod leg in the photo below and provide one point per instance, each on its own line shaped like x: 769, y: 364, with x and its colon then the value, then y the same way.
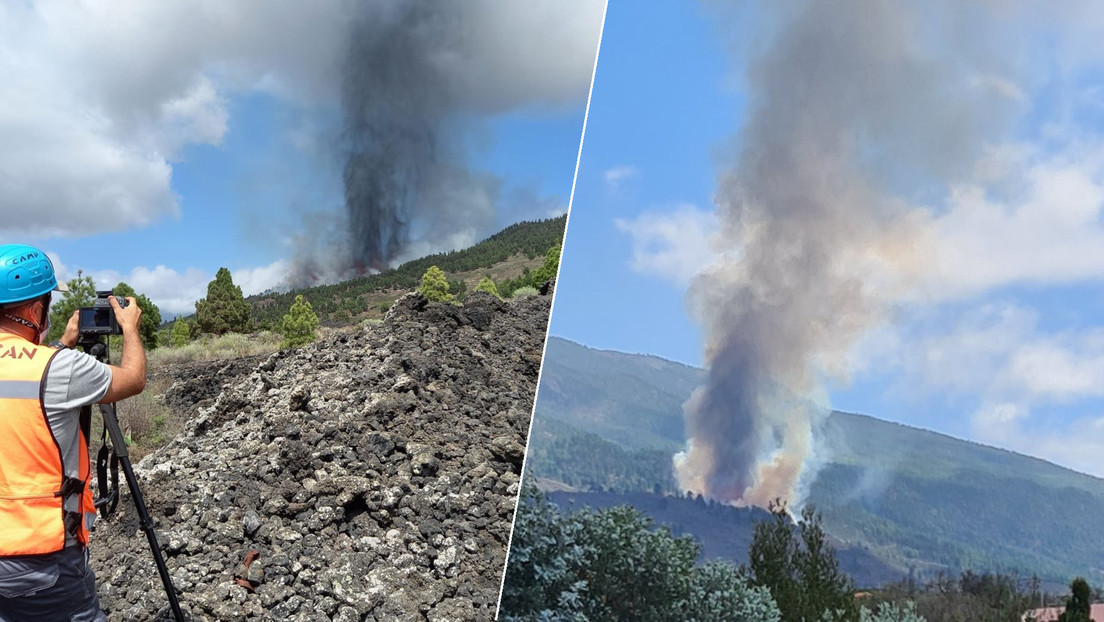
x: 117, y: 439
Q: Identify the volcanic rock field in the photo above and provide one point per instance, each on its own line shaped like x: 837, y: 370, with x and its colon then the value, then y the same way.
x: 369, y: 476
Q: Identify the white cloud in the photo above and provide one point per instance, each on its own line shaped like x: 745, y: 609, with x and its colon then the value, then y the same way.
x: 1076, y: 445
x: 99, y: 98
x: 1049, y: 232
x: 522, y: 53
x: 1028, y: 218
x: 1002, y: 86
x: 674, y: 245
x: 256, y: 280
x: 996, y: 421
x: 1059, y: 368
x: 175, y: 292
x: 618, y: 174
x: 1028, y: 382
x: 961, y: 351
x: 997, y: 352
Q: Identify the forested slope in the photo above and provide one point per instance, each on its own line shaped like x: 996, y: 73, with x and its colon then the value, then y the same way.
x: 505, y: 256
x: 610, y: 421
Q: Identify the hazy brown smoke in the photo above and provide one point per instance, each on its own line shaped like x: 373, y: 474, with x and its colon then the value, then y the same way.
x: 845, y: 108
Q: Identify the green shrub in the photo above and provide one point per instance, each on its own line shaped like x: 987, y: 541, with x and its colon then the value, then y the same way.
x: 487, y: 285
x: 181, y: 333
x: 548, y: 269
x: 523, y: 292
x: 891, y: 612
x: 616, y: 564
x: 435, y: 286
x: 299, y: 324
x: 230, y: 345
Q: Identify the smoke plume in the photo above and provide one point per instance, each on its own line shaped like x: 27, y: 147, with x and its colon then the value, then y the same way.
x: 419, y: 81
x: 846, y: 108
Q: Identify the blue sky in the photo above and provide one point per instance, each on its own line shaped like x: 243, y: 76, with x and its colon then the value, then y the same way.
x: 992, y: 331
x: 155, y: 157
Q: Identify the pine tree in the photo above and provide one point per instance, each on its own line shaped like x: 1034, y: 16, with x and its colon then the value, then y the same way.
x: 800, y: 569
x: 299, y: 324
x: 487, y: 285
x: 82, y: 291
x: 1079, y: 604
x: 224, y: 309
x: 151, y: 315
x: 435, y: 286
x: 181, y: 333
x: 548, y: 269
x: 824, y: 587
x: 771, y: 560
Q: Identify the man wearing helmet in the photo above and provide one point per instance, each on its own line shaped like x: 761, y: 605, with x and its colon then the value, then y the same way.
x: 46, y: 508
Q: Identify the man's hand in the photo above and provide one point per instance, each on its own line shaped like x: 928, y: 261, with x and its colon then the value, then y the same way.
x: 128, y: 317
x: 72, y: 330
x: 129, y: 378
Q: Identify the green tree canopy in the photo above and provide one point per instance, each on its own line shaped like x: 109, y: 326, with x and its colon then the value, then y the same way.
x: 181, y: 333
x: 82, y: 291
x: 1079, y: 604
x: 151, y: 315
x: 435, y: 286
x: 891, y: 612
x: 548, y: 268
x: 224, y: 310
x: 299, y: 324
x: 487, y: 285
x: 615, y: 564
x: 799, y: 568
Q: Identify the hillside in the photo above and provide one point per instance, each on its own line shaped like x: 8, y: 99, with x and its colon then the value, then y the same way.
x: 916, y: 499
x: 632, y: 400
x: 375, y: 472
x: 506, y: 255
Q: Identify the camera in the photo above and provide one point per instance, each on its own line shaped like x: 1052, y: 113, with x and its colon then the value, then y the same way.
x: 99, y: 319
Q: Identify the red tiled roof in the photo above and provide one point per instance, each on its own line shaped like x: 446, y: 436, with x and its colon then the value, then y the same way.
x: 1050, y: 614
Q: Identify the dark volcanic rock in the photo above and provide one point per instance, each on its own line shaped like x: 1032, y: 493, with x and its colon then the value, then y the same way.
x: 199, y: 384
x: 375, y: 473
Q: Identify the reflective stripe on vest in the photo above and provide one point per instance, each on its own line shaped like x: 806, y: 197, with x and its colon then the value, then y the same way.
x: 32, y: 470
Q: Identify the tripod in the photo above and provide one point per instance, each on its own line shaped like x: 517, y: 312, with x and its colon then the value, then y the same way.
x: 92, y: 345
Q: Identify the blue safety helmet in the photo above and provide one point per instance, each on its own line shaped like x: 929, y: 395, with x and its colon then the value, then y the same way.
x: 25, y: 273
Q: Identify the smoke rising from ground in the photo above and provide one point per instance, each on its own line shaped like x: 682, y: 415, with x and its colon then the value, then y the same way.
x: 419, y: 80
x: 398, y: 105
x: 846, y: 109
x: 102, y: 102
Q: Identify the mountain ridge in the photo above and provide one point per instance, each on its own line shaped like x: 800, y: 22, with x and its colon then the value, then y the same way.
x: 919, y: 499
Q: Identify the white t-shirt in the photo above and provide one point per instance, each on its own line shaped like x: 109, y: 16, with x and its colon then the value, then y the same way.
x: 73, y: 379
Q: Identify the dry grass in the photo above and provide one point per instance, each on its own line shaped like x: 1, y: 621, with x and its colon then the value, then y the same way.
x: 146, y: 420
x: 228, y: 346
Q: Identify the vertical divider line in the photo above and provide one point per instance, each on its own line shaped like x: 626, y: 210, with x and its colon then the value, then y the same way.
x: 552, y: 308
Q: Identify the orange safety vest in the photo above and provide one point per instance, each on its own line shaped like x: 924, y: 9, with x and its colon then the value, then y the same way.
x: 35, y: 481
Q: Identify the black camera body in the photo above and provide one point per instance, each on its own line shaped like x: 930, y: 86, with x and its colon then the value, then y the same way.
x: 99, y: 319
